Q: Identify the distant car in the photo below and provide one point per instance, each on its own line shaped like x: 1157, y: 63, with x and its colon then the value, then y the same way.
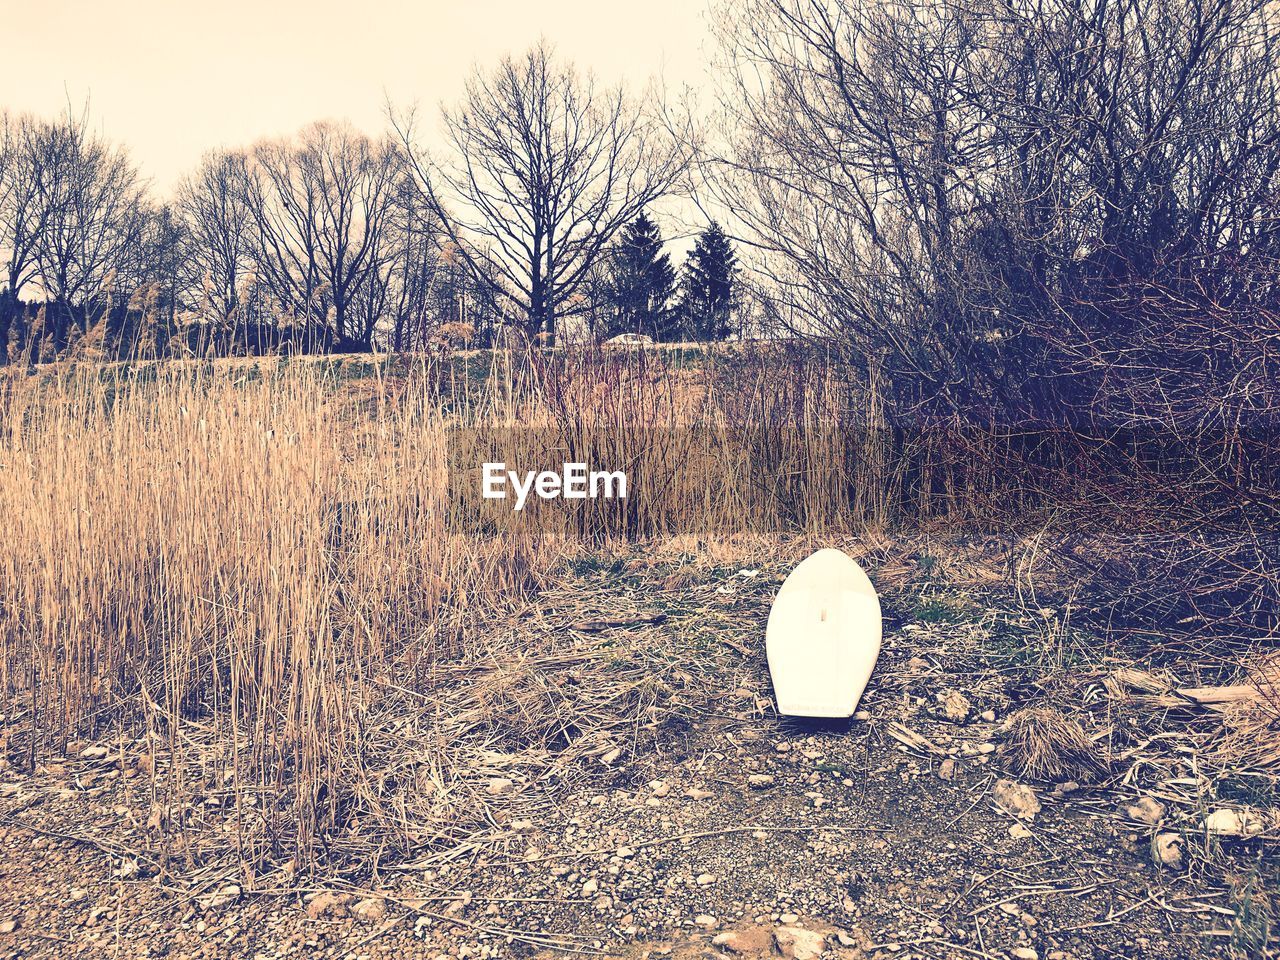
x: 631, y: 339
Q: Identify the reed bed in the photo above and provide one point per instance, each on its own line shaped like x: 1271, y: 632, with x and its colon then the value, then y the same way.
x: 280, y: 588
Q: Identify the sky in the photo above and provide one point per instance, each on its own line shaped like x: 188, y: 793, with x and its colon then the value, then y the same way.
x: 172, y: 79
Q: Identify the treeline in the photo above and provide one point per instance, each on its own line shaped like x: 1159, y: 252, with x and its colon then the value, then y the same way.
x: 1041, y: 211
x: 1048, y: 233
x: 333, y: 240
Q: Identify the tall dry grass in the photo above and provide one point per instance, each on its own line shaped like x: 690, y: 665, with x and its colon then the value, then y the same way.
x: 241, y: 551
x: 265, y: 576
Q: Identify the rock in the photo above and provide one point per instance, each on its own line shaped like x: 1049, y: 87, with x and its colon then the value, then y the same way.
x: 760, y: 781
x: 1019, y: 831
x: 1229, y: 823
x: 706, y: 879
x: 798, y: 943
x: 1166, y: 850
x: 94, y: 753
x: 706, y: 921
x: 522, y: 826
x: 77, y: 894
x: 591, y: 887
x: 498, y: 786
x: 624, y: 852
x: 612, y: 756
x: 989, y: 716
x: 224, y: 897
x: 660, y: 788
x: 787, y: 919
x: 9, y: 926
x: 954, y: 706
x: 1147, y: 810
x: 328, y: 905
x: 128, y: 870
x: 457, y: 907
x: 371, y: 909
x: 731, y: 940
x: 1016, y: 799
x: 696, y: 793
x: 1024, y: 953
x: 947, y: 769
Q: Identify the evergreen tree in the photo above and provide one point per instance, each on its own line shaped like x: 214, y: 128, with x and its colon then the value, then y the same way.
x: 710, y: 285
x: 643, y: 284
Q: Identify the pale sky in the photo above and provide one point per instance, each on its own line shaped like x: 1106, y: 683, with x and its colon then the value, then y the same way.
x: 173, y: 78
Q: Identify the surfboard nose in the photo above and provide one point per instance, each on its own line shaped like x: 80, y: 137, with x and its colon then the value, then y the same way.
x: 823, y: 637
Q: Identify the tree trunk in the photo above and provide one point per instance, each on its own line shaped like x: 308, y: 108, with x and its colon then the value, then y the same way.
x: 8, y: 309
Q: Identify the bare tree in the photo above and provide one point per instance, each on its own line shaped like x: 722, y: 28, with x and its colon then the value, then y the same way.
x: 320, y: 205
x: 1016, y: 208
x: 21, y: 213
x: 547, y: 168
x: 214, y: 205
x: 412, y: 268
x: 89, y: 203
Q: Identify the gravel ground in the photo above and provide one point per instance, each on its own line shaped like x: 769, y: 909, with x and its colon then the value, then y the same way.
x: 739, y: 833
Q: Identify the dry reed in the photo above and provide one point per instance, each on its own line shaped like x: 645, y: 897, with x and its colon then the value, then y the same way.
x: 270, y: 579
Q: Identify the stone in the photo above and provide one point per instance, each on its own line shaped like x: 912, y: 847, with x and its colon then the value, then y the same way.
x: 329, y: 905
x: 696, y: 793
x: 1019, y: 831
x: 706, y: 879
x: 1166, y: 850
x: 591, y: 887
x: 760, y: 781
x: 498, y: 786
x: 1024, y: 953
x: 660, y: 788
x: 954, y: 706
x: 797, y: 943
x: 1016, y: 799
x: 947, y: 769
x: 1146, y: 810
x: 9, y: 926
x: 706, y: 921
x: 1229, y: 823
x: 370, y: 909
x: 731, y: 940
x: 224, y: 897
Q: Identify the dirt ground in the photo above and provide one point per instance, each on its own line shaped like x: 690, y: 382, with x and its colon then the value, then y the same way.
x: 724, y: 831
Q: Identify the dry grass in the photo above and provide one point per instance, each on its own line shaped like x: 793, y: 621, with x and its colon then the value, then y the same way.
x: 285, y: 593
x: 1045, y: 744
x: 1251, y: 722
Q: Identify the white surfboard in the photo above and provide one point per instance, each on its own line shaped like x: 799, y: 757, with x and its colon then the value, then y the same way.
x: 823, y: 637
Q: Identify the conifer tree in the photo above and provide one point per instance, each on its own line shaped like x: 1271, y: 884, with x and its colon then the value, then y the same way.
x: 643, y: 284
x: 709, y: 286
